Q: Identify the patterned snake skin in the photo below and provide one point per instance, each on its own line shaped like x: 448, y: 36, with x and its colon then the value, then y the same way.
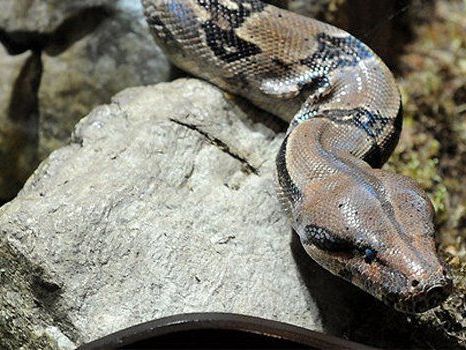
x: 369, y: 226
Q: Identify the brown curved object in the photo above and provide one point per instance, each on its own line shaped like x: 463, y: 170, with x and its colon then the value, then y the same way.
x: 219, y: 331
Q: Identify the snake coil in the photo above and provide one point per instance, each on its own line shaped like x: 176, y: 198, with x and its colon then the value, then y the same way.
x: 369, y: 226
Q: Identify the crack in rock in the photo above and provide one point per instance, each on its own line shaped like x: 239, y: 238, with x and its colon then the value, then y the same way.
x: 219, y: 144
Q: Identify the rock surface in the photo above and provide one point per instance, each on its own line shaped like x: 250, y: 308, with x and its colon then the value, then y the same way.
x: 120, y: 53
x: 163, y: 203
x: 41, y: 16
x: 28, y: 319
x: 89, y: 50
x: 40, y: 303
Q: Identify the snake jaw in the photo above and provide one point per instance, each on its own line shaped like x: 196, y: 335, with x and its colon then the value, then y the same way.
x: 403, y: 293
x: 410, y: 295
x: 425, y: 300
x: 420, y: 297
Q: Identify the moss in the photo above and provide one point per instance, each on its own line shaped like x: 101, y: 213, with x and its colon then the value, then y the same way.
x: 432, y: 147
x: 450, y: 317
x: 417, y: 157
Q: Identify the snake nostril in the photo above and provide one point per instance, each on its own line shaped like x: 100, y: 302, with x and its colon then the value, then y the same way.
x: 436, y: 295
x: 429, y: 299
x: 414, y: 283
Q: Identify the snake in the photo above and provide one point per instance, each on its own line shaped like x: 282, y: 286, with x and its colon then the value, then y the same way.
x: 372, y: 227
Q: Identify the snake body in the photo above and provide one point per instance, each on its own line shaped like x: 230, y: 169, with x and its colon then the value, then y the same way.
x: 369, y: 226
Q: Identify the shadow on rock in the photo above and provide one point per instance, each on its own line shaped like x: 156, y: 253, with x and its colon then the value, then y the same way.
x: 19, y: 136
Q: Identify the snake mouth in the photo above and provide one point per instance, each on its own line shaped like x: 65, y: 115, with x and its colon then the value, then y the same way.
x: 410, y: 299
x: 423, y: 301
x: 386, y: 283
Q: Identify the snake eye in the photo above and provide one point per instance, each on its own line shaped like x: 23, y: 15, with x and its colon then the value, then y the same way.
x: 369, y: 255
x: 325, y: 240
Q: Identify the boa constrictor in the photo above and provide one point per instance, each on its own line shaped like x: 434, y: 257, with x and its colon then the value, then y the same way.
x: 369, y: 226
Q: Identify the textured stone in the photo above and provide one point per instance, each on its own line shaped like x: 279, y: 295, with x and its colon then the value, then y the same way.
x: 120, y: 53
x: 89, y: 50
x: 163, y: 203
x: 41, y: 16
x: 27, y: 320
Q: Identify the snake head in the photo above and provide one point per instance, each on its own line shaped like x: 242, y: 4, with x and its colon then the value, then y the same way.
x: 378, y: 235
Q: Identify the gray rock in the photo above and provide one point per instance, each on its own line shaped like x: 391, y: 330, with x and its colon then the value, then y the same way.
x: 41, y: 16
x: 89, y: 50
x: 27, y: 320
x: 120, y: 53
x: 163, y: 203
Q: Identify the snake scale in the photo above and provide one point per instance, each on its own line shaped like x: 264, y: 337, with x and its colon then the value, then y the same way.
x: 369, y: 226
